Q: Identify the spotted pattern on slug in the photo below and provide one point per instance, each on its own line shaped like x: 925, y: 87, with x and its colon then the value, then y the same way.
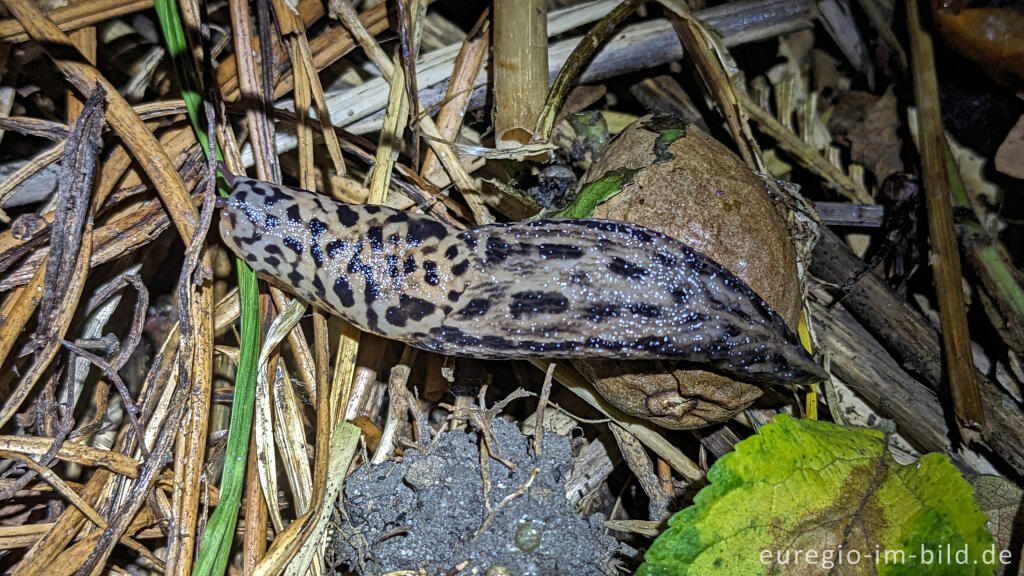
x: 547, y: 288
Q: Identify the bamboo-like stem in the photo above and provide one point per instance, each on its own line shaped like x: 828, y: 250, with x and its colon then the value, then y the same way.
x: 520, y: 69
x: 254, y: 545
x: 945, y: 258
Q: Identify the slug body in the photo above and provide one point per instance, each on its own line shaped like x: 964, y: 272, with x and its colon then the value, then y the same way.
x: 544, y: 289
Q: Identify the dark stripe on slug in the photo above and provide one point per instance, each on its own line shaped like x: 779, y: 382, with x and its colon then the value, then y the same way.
x: 422, y: 229
x: 560, y: 251
x: 395, y: 239
x: 409, y: 308
x: 475, y: 307
x: 372, y: 290
x: 548, y: 347
x: 392, y: 262
x: 316, y: 228
x: 343, y: 290
x: 295, y: 277
x: 333, y: 247
x: 451, y: 252
x: 665, y: 259
x: 371, y: 320
x: 460, y: 268
x: 598, y: 312
x: 469, y: 239
x: 453, y: 336
x: 319, y: 286
x: 397, y: 218
x: 454, y: 296
x: 681, y: 294
x: 346, y: 215
x: 430, y: 273
x: 271, y: 222
x: 317, y: 254
x: 294, y: 215
x: 627, y: 269
x: 293, y: 243
x: 409, y: 266
x: 250, y: 215
x: 371, y: 208
x: 375, y: 235
x: 271, y: 195
x: 497, y: 249
x: 536, y: 302
x: 610, y: 227
x: 645, y: 310
x: 273, y: 261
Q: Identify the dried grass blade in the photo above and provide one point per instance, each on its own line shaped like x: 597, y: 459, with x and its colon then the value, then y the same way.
x: 410, y: 21
x: 396, y: 118
x: 122, y: 118
x: 644, y: 431
x: 73, y: 452
x: 291, y: 439
x: 88, y: 511
x: 581, y: 54
x: 264, y: 433
x: 343, y: 10
x: 807, y: 156
x: 293, y: 549
x: 68, y: 271
x: 75, y: 16
x: 468, y: 64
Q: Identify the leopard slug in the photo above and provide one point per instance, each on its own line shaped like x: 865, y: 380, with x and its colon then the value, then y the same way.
x: 572, y: 288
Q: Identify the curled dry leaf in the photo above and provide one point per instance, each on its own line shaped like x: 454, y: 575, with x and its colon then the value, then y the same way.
x: 686, y: 184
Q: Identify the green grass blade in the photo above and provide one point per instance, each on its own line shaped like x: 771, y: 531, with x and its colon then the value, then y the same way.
x: 220, y: 530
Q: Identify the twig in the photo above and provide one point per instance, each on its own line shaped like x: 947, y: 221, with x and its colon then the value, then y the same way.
x: 504, y: 501
x: 945, y: 258
x: 574, y: 65
x: 111, y: 374
x: 545, y: 393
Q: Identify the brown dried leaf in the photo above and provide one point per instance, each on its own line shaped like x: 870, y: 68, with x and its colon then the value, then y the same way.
x: 1011, y: 151
x: 871, y: 127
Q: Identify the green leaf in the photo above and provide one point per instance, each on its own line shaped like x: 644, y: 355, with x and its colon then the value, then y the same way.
x: 595, y: 193
x: 836, y: 492
x: 220, y: 530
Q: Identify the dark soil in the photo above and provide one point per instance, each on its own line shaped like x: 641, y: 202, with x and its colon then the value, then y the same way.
x: 423, y: 512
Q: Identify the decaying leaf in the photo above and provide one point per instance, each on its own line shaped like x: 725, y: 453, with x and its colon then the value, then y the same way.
x: 1008, y: 157
x: 870, y: 126
x: 836, y: 496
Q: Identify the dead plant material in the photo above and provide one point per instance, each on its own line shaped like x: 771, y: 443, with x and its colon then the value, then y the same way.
x: 945, y: 260
x: 76, y: 15
x: 117, y: 347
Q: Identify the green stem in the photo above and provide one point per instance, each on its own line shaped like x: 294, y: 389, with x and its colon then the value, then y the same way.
x: 220, y: 530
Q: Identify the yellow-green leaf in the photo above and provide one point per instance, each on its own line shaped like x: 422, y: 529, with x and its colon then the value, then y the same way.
x: 836, y: 496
